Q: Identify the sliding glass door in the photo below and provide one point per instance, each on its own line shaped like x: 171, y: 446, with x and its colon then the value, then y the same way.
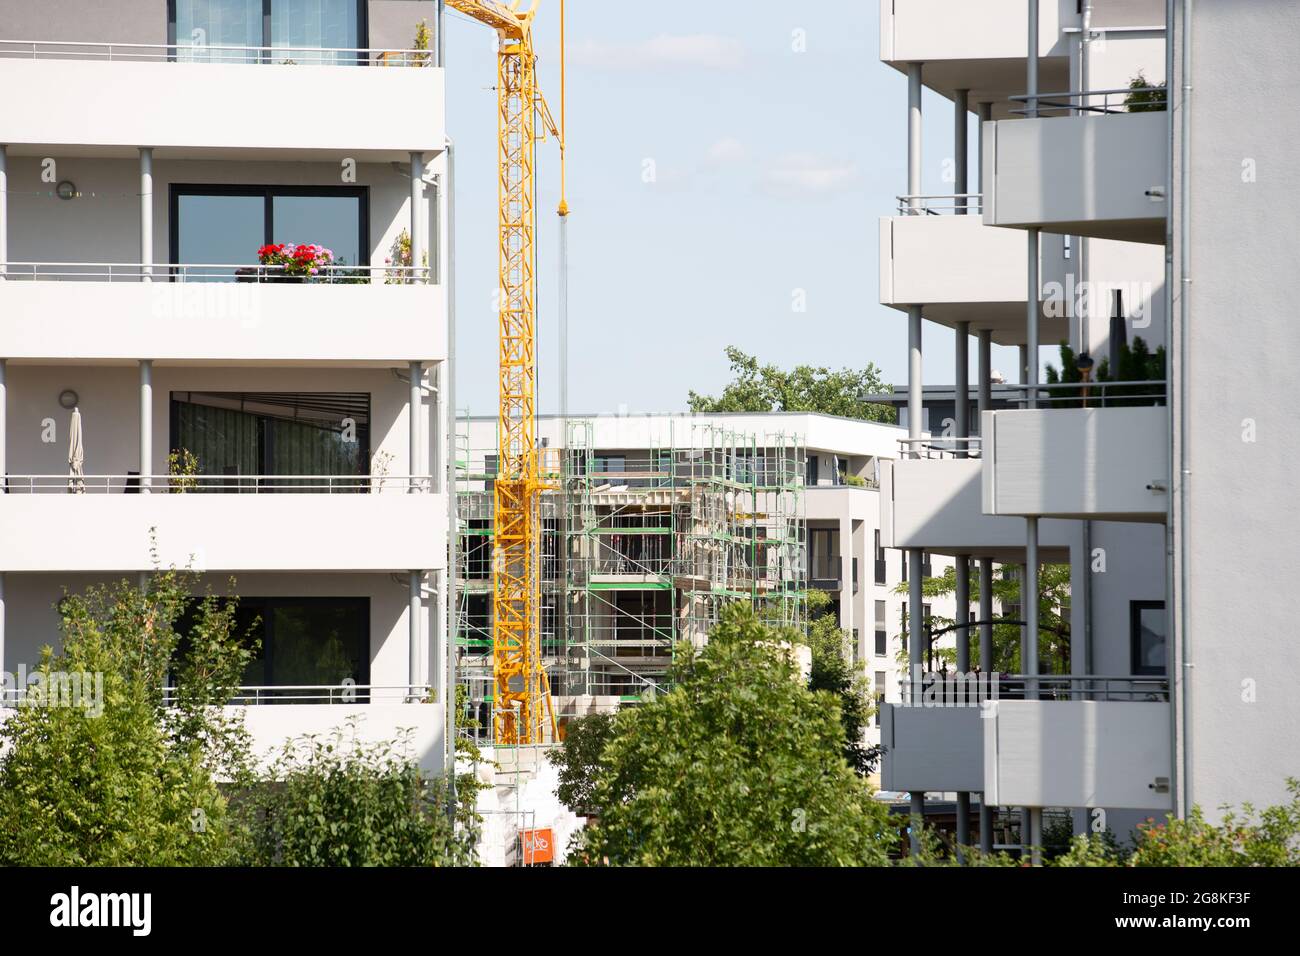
x: 312, y: 32
x: 237, y: 435
x: 216, y: 229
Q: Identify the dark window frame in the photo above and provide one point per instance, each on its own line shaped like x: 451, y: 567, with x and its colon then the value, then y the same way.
x: 268, y: 192
x: 363, y: 30
x: 1136, y: 667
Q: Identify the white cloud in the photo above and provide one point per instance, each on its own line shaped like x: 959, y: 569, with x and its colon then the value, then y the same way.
x: 703, y: 50
x: 803, y: 176
x: 726, y: 151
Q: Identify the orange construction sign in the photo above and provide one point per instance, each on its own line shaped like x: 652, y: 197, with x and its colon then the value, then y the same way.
x: 538, y: 846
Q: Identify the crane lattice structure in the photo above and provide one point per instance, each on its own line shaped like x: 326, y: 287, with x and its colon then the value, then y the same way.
x: 522, y: 713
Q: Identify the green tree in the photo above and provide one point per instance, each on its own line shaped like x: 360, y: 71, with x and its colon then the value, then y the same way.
x: 578, y: 761
x: 114, y: 776
x: 766, y: 388
x: 1053, y: 621
x: 833, y: 671
x: 1146, y: 97
x: 338, y: 801
x: 739, y: 765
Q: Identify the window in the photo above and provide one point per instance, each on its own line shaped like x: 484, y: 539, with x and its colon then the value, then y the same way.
x: 476, y: 548
x: 927, y: 569
x: 841, y: 470
x: 810, y: 477
x: 1147, y: 636
x: 825, y: 557
x: 308, y: 642
x: 476, y: 631
x: 226, y: 225
x: 878, y: 688
x: 273, y: 433
x: 882, y: 637
x: 300, y: 31
x: 855, y: 575
x: 857, y: 648
x: 880, y: 560
x: 605, y: 465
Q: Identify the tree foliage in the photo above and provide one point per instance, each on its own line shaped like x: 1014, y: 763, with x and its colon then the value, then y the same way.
x: 833, y: 672
x: 127, y: 774
x: 578, y: 760
x: 129, y: 781
x: 739, y: 765
x: 1053, y: 620
x: 338, y: 801
x: 806, y: 388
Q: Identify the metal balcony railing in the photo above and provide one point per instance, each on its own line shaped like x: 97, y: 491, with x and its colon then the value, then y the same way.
x: 948, y: 689
x: 216, y: 53
x: 1146, y: 392
x: 971, y: 204
x: 216, y: 484
x: 940, y: 447
x: 205, y: 272
x: 257, y: 695
x: 1073, y: 102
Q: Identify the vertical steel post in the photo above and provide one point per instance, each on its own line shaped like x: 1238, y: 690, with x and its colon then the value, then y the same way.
x: 146, y: 215
x: 960, y: 149
x: 146, y: 425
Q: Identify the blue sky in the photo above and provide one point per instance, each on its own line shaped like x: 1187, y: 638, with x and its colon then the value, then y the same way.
x: 770, y: 168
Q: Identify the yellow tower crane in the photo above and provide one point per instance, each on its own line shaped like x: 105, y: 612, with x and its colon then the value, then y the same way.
x: 522, y: 698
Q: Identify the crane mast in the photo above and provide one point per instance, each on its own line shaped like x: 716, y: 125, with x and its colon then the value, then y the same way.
x: 522, y: 701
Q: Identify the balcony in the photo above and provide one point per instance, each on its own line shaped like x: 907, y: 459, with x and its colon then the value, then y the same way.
x: 980, y: 47
x: 1102, y: 174
x: 108, y: 528
x: 1107, y: 464
x: 934, y: 504
x: 1087, y: 741
x: 111, y: 99
x: 931, y: 748
x: 107, y: 313
x: 1078, y: 753
x: 960, y: 270
x: 325, y: 711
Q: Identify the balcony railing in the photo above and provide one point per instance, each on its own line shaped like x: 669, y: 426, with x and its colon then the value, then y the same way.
x: 217, y: 484
x: 1146, y: 392
x: 203, y: 272
x: 952, y: 690
x: 195, y: 53
x: 971, y: 204
x: 258, y: 695
x: 939, y: 447
x: 1072, y: 102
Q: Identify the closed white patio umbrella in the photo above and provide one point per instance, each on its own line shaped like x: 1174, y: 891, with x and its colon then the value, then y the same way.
x: 76, y: 456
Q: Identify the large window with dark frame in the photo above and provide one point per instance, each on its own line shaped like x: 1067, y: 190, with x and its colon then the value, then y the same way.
x: 1147, y: 637
x: 303, y: 641
x: 296, y: 435
x: 316, y: 32
x: 215, y: 225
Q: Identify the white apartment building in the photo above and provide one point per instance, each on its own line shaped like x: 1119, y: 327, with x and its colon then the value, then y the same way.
x: 619, y: 585
x: 1061, y: 240
x: 1170, y: 495
x: 258, y: 421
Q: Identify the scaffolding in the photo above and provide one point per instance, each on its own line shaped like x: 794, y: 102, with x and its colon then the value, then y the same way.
x: 641, y: 550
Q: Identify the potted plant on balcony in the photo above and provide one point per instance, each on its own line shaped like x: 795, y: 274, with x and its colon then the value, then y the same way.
x: 399, y: 258
x: 294, y: 262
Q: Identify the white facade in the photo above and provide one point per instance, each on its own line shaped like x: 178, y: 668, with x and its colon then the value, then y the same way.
x: 143, y: 163
x: 1069, y: 188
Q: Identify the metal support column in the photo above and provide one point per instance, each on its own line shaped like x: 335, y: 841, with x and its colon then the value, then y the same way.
x: 960, y: 148
x: 4, y: 212
x: 414, y: 401
x: 986, y: 668
x: 146, y: 425
x: 146, y: 214
x: 414, y: 677
x: 418, y: 231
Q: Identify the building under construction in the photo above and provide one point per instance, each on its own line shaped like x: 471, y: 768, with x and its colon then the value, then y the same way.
x: 648, y: 528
